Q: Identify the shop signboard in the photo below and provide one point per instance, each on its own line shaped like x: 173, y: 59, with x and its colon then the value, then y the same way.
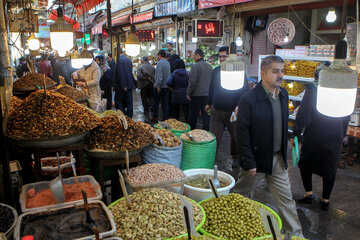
x: 218, y: 3
x: 145, y: 35
x: 44, y: 31
x: 168, y: 8
x: 204, y: 28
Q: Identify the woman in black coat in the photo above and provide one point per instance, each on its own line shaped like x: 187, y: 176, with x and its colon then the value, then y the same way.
x: 179, y: 82
x: 321, y: 147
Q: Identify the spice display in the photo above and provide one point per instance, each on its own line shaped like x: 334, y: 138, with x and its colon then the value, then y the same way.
x: 52, y: 161
x: 241, y: 212
x: 72, y: 93
x: 72, y: 193
x: 201, y: 181
x: 111, y: 135
x: 153, y: 214
x: 68, y: 223
x: 50, y: 115
x: 176, y: 125
x: 198, y: 135
x: 301, y: 68
x: 168, y: 138
x: 6, y: 218
x: 31, y: 80
x: 154, y: 173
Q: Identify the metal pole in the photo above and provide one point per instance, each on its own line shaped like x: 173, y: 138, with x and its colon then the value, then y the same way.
x: 343, y: 19
x: 184, y: 38
x: 108, y: 15
x: 177, y: 35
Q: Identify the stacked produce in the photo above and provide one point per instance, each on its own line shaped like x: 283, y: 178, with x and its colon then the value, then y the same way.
x: 32, y: 80
x: 290, y: 68
x: 48, y: 115
x: 233, y: 217
x: 6, y: 218
x: 293, y: 88
x: 198, y: 135
x: 153, y: 214
x: 111, y: 135
x: 72, y: 93
x: 154, y: 173
x: 176, y: 125
x: 301, y: 68
x: 168, y: 138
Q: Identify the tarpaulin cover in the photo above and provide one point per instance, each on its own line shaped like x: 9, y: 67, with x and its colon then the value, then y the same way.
x: 84, y: 6
x: 174, y: 7
x: 73, y: 22
x: 218, y: 3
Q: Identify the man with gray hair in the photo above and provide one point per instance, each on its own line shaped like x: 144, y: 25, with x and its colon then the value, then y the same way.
x: 198, y: 90
x: 262, y: 141
x: 145, y: 82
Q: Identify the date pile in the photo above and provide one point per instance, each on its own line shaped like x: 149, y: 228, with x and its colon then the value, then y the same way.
x: 111, y: 135
x: 31, y: 80
x: 50, y: 115
x: 72, y: 93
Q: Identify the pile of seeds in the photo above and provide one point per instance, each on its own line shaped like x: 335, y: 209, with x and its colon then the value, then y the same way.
x: 31, y: 80
x: 198, y: 135
x: 154, y: 214
x: 111, y: 135
x: 154, y: 173
x: 50, y: 115
x: 72, y: 93
x: 233, y: 216
x: 176, y: 125
x: 6, y: 218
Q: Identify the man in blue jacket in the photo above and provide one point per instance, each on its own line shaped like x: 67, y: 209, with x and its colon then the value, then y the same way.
x: 123, y: 84
x: 262, y: 137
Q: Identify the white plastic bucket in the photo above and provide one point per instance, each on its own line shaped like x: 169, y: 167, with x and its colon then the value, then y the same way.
x: 199, y: 194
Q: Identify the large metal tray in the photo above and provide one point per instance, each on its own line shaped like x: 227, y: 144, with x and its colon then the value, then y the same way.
x: 52, y: 142
x: 32, y: 89
x: 112, y: 155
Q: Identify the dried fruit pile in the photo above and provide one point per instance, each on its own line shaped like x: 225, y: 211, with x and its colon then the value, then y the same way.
x: 199, y: 135
x: 154, y: 214
x: 154, y: 173
x: 31, y: 80
x: 111, y: 135
x: 168, y: 138
x: 41, y: 116
x: 72, y: 93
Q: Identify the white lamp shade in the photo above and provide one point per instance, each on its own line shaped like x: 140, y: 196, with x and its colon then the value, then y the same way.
x: 232, y: 80
x: 132, y: 49
x: 80, y: 62
x: 34, y: 44
x: 61, y: 42
x: 331, y: 16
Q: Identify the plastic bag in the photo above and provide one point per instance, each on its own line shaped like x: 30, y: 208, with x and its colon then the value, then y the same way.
x: 97, y: 103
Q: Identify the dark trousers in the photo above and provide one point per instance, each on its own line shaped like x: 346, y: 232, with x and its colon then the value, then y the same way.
x: 218, y: 121
x: 197, y: 104
x: 124, y: 102
x: 328, y: 184
x: 164, y: 97
x: 185, y: 108
x: 108, y: 96
x: 146, y: 94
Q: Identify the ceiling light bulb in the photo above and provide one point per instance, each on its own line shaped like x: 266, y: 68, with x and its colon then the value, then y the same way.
x: 194, y: 39
x: 291, y: 85
x: 239, y: 41
x: 33, y: 43
x: 331, y: 16
x: 286, y: 39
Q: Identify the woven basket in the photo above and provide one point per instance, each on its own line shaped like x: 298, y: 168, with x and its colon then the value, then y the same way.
x: 174, y: 131
x: 198, y: 154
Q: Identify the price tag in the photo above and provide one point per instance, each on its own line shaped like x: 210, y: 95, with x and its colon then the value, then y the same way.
x: 269, y: 222
x: 188, y: 216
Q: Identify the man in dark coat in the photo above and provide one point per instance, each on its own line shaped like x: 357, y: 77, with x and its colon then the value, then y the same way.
x: 123, y: 84
x: 110, y: 61
x: 322, y: 143
x: 262, y: 137
x: 22, y: 67
x: 145, y: 82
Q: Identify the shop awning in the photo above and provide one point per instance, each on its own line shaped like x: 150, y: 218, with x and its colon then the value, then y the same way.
x: 120, y: 20
x: 97, y: 29
x: 218, y: 3
x: 169, y: 8
x: 73, y: 22
x: 142, y: 17
x: 83, y: 6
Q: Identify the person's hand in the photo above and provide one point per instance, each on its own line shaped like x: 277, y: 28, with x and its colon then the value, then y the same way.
x: 207, y: 108
x: 188, y: 97
x: 252, y: 172
x: 125, y: 89
x: 292, y: 142
x: 236, y: 110
x: 80, y: 84
x: 158, y: 90
x: 102, y: 92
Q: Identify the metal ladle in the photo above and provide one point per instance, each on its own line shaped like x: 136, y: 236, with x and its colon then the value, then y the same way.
x: 216, y: 180
x: 57, y: 185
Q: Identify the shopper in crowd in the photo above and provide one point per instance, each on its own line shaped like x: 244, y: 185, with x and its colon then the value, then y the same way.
x: 106, y: 79
x: 251, y: 83
x: 45, y: 66
x: 91, y: 75
x: 110, y: 61
x: 61, y: 68
x: 222, y: 104
x: 172, y: 58
x: 22, y: 67
x: 170, y: 48
x: 123, y: 84
x: 322, y: 144
x: 198, y: 90
x: 179, y: 82
x: 145, y: 82
x: 161, y: 89
x: 262, y: 136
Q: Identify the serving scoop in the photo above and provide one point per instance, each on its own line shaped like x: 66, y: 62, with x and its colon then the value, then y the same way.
x: 57, y: 185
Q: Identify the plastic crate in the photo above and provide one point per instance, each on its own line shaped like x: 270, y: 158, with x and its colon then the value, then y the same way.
x: 55, y: 168
x: 38, y: 186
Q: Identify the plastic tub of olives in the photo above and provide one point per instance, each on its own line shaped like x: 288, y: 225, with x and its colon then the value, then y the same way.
x: 199, y: 194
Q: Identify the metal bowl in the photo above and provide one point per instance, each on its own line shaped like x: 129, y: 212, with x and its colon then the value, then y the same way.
x: 97, y: 153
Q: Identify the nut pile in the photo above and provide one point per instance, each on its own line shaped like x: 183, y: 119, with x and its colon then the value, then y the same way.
x: 199, y: 135
x: 41, y: 116
x: 233, y: 216
x: 177, y: 125
x: 169, y: 139
x: 15, y: 103
x: 154, y: 173
x: 31, y: 80
x: 111, y: 135
x: 154, y: 214
x: 72, y: 93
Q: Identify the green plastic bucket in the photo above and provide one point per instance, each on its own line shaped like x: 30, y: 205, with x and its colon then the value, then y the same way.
x: 198, y: 154
x: 272, y: 212
x: 174, y: 131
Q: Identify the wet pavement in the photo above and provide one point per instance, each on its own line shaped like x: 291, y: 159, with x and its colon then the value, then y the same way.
x: 341, y: 222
